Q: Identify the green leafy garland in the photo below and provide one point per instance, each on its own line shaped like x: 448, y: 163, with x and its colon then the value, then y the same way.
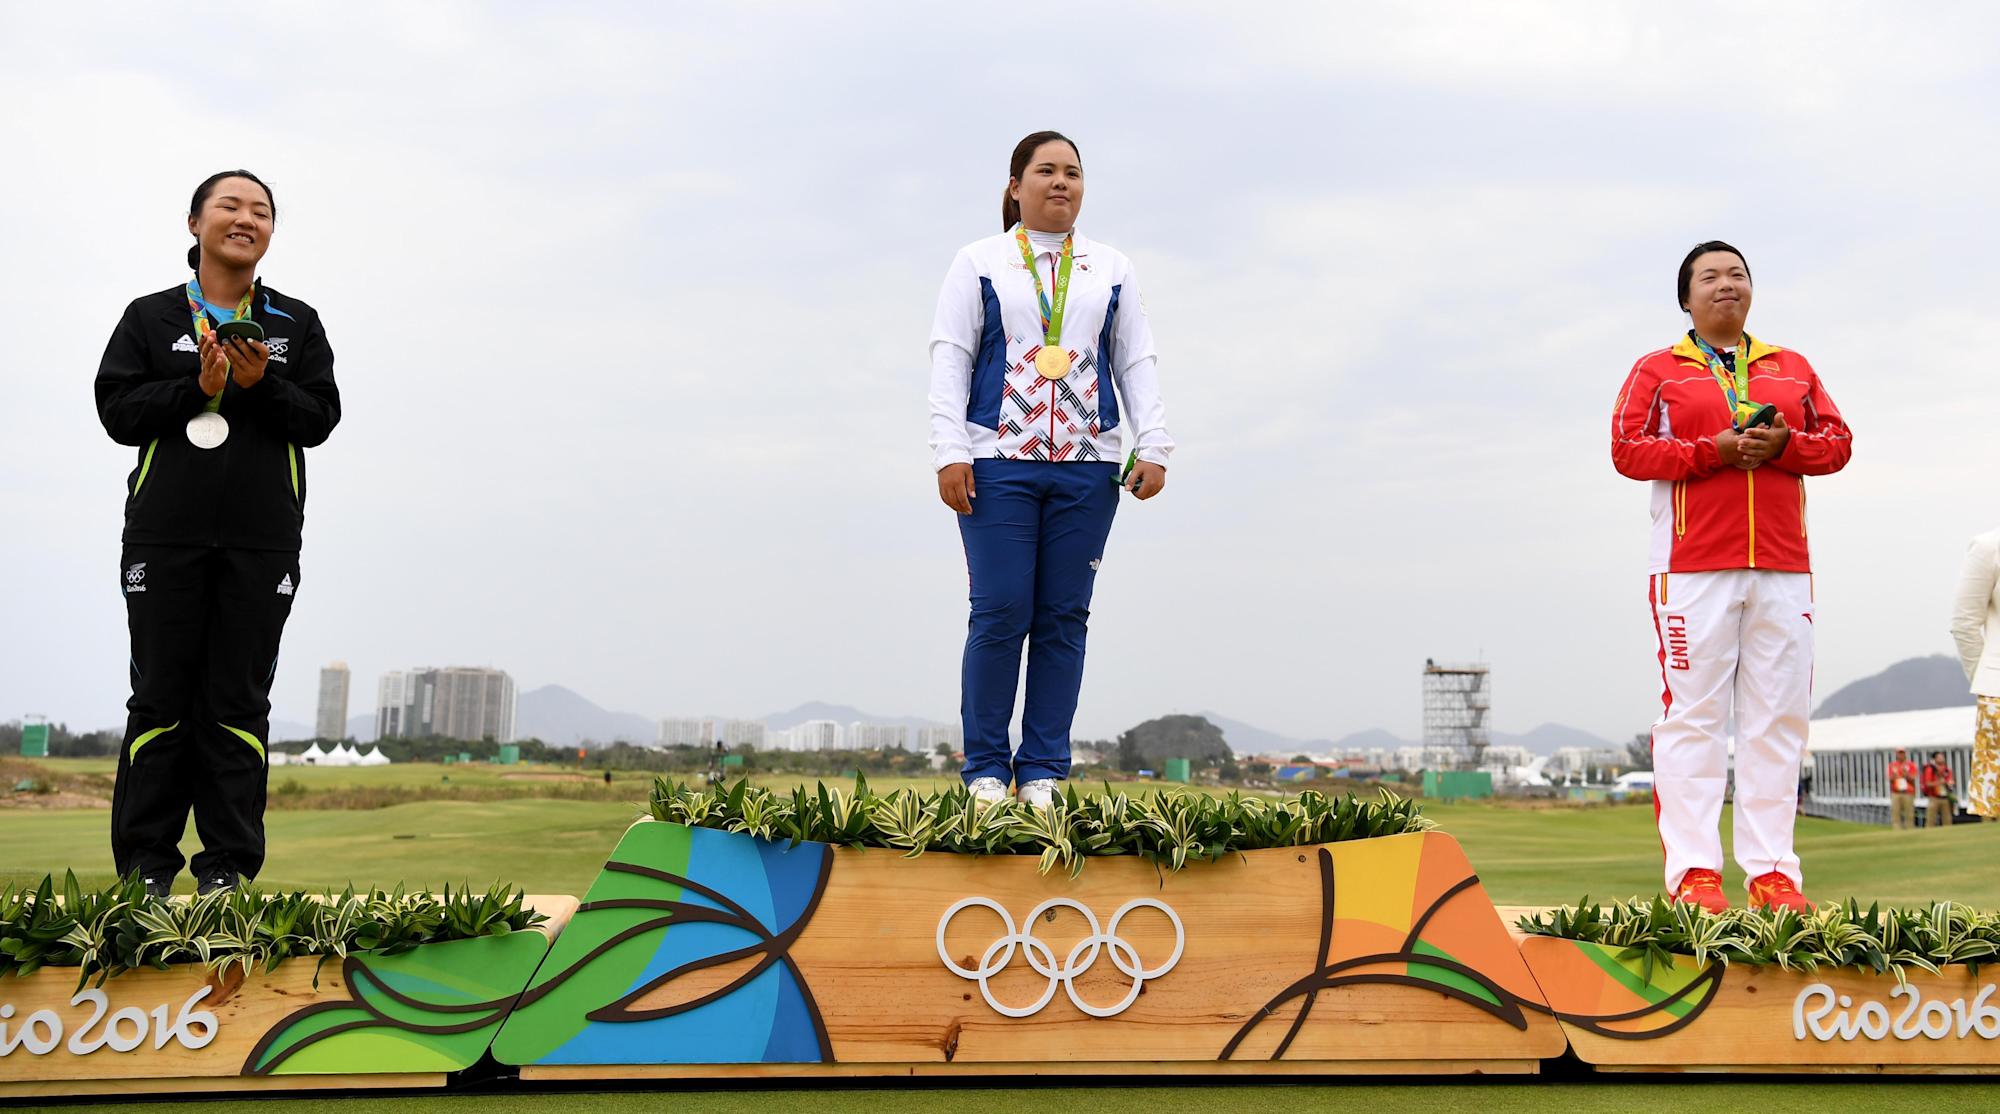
x: 118, y: 928
x: 1168, y: 827
x: 1881, y: 941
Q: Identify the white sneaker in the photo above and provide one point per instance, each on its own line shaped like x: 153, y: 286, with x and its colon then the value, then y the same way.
x: 988, y: 790
x: 1038, y: 793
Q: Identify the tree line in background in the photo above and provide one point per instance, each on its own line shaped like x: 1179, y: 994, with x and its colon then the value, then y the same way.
x: 64, y: 743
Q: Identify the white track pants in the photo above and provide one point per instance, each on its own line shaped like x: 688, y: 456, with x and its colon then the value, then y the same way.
x: 1736, y: 642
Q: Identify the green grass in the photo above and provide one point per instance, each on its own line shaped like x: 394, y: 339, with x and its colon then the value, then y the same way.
x: 1558, y: 856
x: 1525, y: 856
x: 1526, y: 1096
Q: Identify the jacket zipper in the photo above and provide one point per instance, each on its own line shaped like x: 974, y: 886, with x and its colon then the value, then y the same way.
x: 1750, y: 488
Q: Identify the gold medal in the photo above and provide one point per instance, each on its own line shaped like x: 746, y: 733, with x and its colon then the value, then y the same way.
x: 1052, y: 362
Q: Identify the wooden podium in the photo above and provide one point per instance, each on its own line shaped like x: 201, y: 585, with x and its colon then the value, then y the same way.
x: 702, y: 953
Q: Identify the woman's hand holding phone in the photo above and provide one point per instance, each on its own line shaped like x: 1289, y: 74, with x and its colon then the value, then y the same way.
x: 246, y: 360
x: 1147, y: 479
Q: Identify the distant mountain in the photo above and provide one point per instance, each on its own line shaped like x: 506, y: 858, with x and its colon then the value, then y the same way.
x: 285, y: 731
x: 1551, y: 737
x: 361, y: 728
x: 841, y: 714
x: 1248, y: 739
x: 1933, y: 682
x: 1372, y: 738
x: 1244, y: 738
x: 560, y: 717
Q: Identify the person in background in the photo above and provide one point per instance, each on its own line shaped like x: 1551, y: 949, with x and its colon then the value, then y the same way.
x: 1902, y: 791
x: 1939, y: 799
x: 1975, y: 626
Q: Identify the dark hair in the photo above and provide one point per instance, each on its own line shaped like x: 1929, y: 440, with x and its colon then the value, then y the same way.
x: 207, y: 187
x: 1687, y: 266
x: 1010, y: 210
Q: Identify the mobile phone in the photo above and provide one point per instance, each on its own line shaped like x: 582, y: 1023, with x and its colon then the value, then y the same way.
x: 239, y: 330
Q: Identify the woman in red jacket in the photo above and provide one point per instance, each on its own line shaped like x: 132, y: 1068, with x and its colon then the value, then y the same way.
x: 1726, y: 427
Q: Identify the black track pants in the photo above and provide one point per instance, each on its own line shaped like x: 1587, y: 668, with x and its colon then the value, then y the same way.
x: 205, y: 628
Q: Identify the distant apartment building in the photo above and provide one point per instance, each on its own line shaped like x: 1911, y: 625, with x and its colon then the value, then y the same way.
x: 877, y: 736
x: 816, y: 734
x: 742, y: 733
x: 1577, y: 761
x: 331, y: 723
x: 451, y: 703
x: 685, y: 731
x: 473, y: 704
x: 704, y: 731
x: 397, y: 710
x: 930, y: 738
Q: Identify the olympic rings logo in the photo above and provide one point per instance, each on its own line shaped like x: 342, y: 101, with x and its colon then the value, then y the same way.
x: 1042, y: 958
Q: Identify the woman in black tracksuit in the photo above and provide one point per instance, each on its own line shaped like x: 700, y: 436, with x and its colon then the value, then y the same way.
x: 213, y: 509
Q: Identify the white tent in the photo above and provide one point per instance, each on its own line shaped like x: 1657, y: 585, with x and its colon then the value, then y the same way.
x: 312, y: 756
x: 374, y: 757
x: 1850, y: 756
x: 343, y: 755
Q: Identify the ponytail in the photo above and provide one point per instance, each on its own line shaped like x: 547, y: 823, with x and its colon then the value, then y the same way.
x: 1010, y: 209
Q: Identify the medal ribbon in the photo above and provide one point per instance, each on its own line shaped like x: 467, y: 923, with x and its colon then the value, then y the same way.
x: 1052, y: 312
x: 197, y: 305
x: 1735, y: 383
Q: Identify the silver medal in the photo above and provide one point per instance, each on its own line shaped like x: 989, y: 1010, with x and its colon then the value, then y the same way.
x: 207, y: 430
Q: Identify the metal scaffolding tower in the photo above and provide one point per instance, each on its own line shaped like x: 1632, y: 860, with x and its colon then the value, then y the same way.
x: 1457, y: 701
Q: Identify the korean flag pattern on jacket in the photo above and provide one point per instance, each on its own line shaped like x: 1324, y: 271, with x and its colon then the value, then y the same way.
x: 987, y: 397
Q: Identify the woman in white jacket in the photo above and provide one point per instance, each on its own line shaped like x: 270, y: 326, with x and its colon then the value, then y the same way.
x: 1975, y: 626
x: 1042, y: 376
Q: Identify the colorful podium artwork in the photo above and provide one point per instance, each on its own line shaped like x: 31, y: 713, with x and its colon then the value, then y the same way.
x: 1691, y: 1017
x: 366, y: 1021
x: 708, y: 953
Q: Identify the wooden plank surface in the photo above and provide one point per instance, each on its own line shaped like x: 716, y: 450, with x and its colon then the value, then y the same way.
x: 1003, y: 1072
x: 233, y: 1085
x: 1251, y: 924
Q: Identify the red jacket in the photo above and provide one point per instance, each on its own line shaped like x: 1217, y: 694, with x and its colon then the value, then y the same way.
x: 1706, y: 516
x: 1937, y: 783
x: 1904, y: 772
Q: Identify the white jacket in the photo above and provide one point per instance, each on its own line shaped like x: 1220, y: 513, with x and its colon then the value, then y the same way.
x: 987, y: 399
x: 1975, y: 617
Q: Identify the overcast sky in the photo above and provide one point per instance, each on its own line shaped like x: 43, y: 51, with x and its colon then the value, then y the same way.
x: 630, y: 306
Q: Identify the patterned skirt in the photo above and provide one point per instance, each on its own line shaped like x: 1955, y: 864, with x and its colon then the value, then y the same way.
x: 1982, y: 790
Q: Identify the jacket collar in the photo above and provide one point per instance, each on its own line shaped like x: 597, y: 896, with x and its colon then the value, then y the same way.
x: 174, y: 307
x: 1687, y: 349
x: 1078, y: 244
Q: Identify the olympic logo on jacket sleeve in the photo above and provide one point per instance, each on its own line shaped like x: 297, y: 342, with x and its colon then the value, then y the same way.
x: 1042, y: 958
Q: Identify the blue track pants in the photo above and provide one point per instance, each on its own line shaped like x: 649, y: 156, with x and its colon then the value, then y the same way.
x: 1032, y: 546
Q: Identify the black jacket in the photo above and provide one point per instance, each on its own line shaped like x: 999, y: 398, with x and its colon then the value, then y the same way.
x: 249, y: 492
